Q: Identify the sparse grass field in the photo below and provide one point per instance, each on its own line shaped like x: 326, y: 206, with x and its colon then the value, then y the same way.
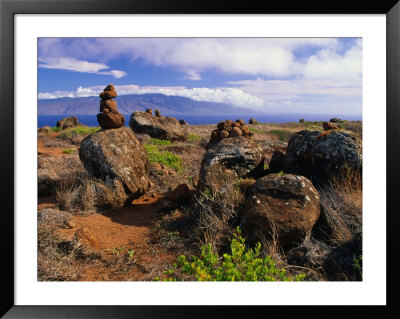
x: 143, y: 242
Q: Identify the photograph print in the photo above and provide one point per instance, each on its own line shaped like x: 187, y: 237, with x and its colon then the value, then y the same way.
x: 199, y: 159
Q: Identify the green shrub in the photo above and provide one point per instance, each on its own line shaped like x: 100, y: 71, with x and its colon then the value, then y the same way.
x: 163, y: 157
x: 56, y: 129
x: 240, y: 265
x: 79, y: 130
x: 156, y: 141
x: 68, y: 151
x: 193, y: 138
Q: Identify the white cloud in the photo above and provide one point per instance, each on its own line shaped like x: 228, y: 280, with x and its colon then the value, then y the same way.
x: 71, y: 64
x: 192, y: 75
x: 255, y: 56
x: 231, y: 96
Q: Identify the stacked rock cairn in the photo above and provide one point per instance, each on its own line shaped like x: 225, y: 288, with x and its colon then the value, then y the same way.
x: 109, y: 117
x: 231, y: 129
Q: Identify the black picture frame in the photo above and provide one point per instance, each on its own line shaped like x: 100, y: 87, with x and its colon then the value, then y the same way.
x: 8, y: 8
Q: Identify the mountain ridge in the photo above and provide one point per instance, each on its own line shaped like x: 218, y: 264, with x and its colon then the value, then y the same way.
x: 127, y: 104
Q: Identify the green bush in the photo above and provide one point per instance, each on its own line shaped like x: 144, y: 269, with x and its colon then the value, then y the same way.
x: 56, y: 129
x: 240, y: 265
x: 79, y: 130
x: 193, y: 138
x: 163, y: 157
x: 156, y: 141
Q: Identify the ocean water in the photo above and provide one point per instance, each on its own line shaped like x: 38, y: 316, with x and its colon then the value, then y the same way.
x: 91, y: 120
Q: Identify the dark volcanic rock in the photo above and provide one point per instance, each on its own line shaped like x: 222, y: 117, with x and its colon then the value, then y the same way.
x: 183, y: 122
x: 253, y: 121
x: 334, y: 120
x: 336, y: 152
x: 288, y: 203
x: 298, y: 153
x: 228, y: 159
x: 165, y: 128
x: 66, y: 122
x: 320, y: 155
x: 119, y: 159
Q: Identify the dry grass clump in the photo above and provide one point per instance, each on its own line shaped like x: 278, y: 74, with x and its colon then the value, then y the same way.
x: 216, y: 214
x: 55, y: 257
x: 82, y: 194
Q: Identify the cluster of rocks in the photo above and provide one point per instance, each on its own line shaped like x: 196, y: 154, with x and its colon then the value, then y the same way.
x: 109, y: 117
x: 230, y: 129
x: 162, y: 127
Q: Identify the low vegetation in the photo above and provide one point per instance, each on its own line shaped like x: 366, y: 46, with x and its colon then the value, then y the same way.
x: 194, y: 138
x: 68, y: 151
x: 167, y: 158
x: 240, y: 265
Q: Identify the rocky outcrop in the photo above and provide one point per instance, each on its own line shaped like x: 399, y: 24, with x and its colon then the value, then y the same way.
x: 301, y: 120
x: 335, y: 120
x: 150, y: 111
x: 230, y: 129
x: 285, y: 205
x: 157, y: 113
x: 162, y: 127
x: 320, y: 155
x: 109, y: 117
x: 229, y: 159
x: 67, y: 122
x: 253, y: 121
x: 119, y: 159
x: 183, y: 122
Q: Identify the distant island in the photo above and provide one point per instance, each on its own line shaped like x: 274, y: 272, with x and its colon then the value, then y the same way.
x: 135, y: 102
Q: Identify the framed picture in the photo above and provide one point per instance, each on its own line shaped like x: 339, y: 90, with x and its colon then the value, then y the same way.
x: 354, y: 46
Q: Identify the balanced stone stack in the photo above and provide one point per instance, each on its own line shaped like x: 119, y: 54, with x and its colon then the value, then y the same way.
x: 109, y: 117
x: 230, y: 129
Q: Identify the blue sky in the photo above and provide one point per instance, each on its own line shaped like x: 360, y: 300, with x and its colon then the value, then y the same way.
x: 276, y: 75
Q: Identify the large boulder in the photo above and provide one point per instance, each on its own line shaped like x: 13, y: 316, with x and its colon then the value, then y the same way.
x: 229, y: 159
x: 67, y: 122
x: 286, y: 205
x: 321, y: 155
x: 336, y: 153
x: 118, y: 158
x: 162, y: 127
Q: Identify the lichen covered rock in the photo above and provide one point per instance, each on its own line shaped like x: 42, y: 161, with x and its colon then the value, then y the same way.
x: 228, y: 159
x: 162, y: 127
x: 118, y: 158
x: 286, y: 206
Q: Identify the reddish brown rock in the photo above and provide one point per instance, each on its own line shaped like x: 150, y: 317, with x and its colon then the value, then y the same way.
x: 245, y: 129
x: 108, y: 104
x: 157, y: 113
x: 287, y: 205
x: 235, y: 132
x: 108, y: 94
x: 241, y: 122
x: 108, y: 120
x: 150, y: 111
x: 330, y: 126
x: 223, y: 134
x: 215, y: 136
x: 221, y: 125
